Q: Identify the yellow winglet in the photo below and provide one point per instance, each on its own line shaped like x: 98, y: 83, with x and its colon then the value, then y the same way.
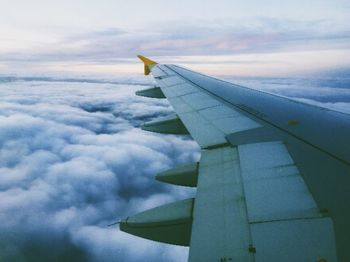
x: 148, y: 63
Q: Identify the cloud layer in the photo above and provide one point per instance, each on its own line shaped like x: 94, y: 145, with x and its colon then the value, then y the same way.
x: 329, y: 92
x: 72, y: 161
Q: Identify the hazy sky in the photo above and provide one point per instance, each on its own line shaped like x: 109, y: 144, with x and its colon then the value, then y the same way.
x: 219, y: 37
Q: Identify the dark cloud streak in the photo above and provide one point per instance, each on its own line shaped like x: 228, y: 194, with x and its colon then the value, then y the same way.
x: 262, y: 35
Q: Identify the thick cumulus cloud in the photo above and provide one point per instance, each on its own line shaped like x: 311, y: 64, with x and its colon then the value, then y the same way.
x: 72, y: 161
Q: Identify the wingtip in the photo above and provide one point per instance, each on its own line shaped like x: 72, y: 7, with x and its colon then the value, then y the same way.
x: 146, y: 60
x: 148, y: 64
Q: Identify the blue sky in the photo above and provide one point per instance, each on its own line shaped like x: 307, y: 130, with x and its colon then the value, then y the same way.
x: 218, y: 37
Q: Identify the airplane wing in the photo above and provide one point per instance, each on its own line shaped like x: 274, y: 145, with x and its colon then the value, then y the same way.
x: 273, y: 180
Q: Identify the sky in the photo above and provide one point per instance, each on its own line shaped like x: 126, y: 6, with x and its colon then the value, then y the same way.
x: 244, y: 38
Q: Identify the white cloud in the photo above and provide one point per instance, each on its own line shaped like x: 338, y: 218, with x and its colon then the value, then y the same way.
x: 73, y: 161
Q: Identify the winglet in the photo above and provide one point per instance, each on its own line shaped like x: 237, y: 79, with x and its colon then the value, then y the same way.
x: 148, y: 63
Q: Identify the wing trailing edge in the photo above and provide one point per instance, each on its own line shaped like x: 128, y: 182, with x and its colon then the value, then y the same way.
x: 256, y: 199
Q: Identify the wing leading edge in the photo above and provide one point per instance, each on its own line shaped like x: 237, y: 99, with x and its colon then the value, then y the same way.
x: 271, y: 183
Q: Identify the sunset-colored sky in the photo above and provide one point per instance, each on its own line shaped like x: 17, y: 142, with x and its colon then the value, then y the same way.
x: 257, y: 38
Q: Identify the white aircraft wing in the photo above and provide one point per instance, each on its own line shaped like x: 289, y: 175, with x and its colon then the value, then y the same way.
x: 273, y: 180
